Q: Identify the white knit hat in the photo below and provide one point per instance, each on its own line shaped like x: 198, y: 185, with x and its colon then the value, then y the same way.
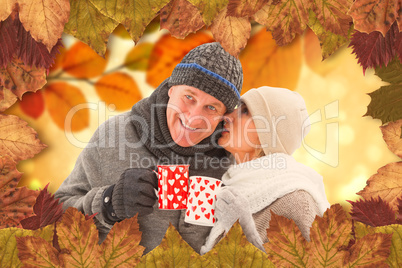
x: 280, y: 117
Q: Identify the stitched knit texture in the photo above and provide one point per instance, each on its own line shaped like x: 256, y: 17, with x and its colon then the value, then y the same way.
x: 211, y: 69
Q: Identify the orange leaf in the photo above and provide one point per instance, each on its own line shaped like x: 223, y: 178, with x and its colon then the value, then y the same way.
x: 138, y: 57
x: 392, y: 136
x: 168, y: 52
x: 245, y: 8
x: 17, y: 139
x: 78, y: 239
x: 231, y: 32
x: 181, y: 18
x: 122, y: 244
x: 286, y: 246
x: 82, y: 62
x: 20, y: 78
x: 328, y: 234
x: 370, y: 251
x: 32, y: 104
x: 386, y: 183
x: 8, y: 99
x: 119, y: 89
x: 37, y: 252
x: 16, y: 203
x: 58, y: 60
x: 266, y: 64
x: 67, y: 106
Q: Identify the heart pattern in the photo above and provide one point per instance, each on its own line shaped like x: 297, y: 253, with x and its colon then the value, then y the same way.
x: 201, y: 200
x: 173, y: 188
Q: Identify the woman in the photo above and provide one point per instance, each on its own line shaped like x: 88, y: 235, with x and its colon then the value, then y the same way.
x: 261, y: 134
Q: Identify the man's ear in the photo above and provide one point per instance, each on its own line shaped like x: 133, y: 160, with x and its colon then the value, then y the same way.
x: 170, y: 91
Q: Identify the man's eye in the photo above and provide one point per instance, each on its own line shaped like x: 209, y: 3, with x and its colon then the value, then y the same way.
x: 189, y: 97
x: 212, y: 108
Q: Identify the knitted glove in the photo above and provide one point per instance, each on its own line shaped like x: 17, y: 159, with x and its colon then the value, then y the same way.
x: 134, y: 192
x: 232, y: 205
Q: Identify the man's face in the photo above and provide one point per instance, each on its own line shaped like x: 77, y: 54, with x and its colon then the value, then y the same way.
x: 192, y: 115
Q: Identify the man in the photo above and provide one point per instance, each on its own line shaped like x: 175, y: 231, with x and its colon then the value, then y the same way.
x: 178, y: 124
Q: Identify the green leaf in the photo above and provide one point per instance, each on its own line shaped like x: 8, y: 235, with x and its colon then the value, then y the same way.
x: 138, y: 57
x: 235, y: 251
x: 135, y: 15
x: 173, y: 251
x: 391, y: 73
x: 209, y: 9
x: 89, y: 25
x: 8, y: 243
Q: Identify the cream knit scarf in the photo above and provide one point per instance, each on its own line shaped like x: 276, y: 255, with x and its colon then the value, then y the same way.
x: 263, y: 180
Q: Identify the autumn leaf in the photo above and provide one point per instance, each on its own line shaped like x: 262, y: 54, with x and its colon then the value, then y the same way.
x: 373, y: 212
x: 266, y: 64
x: 329, y: 41
x: 121, y: 32
x: 82, y: 62
x: 173, y: 251
x: 392, y: 136
x: 8, y: 243
x: 67, y: 106
x: 245, y: 8
x: 386, y: 103
x: 209, y: 9
x: 399, y: 217
x: 20, y: 78
x: 328, y: 234
x: 89, y: 25
x: 8, y: 98
x: 78, y: 238
x: 47, y: 211
x: 32, y: 104
x: 284, y: 19
x: 17, y: 139
x: 121, y: 246
x: 373, y: 49
x: 395, y: 258
x: 375, y: 15
x: 181, y: 18
x: 286, y: 246
x: 58, y: 59
x: 370, y: 251
x: 168, y: 52
x: 8, y: 41
x: 118, y: 89
x: 231, y: 32
x: 138, y: 57
x: 15, y: 202
x: 386, y: 183
x: 135, y: 15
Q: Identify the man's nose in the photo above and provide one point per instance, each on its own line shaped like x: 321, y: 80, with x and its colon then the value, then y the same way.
x: 195, y: 114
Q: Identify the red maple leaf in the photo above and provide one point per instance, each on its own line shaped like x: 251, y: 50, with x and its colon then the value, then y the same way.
x: 374, y: 49
x: 8, y: 41
x: 47, y: 210
x: 399, y: 218
x: 374, y: 212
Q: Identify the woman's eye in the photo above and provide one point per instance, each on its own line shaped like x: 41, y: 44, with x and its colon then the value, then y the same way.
x: 244, y: 110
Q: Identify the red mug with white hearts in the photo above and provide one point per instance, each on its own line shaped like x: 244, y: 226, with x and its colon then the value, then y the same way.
x: 201, y: 200
x: 173, y: 186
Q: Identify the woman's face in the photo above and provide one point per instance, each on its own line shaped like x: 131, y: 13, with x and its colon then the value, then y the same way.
x: 239, y: 135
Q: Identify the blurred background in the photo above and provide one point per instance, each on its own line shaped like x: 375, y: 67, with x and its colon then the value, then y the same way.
x: 86, y: 89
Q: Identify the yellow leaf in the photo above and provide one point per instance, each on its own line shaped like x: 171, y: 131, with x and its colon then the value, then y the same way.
x: 121, y: 247
x: 8, y: 99
x: 138, y: 57
x: 17, y: 139
x: 209, y: 9
x: 121, y: 32
x: 235, y: 251
x: 266, y: 64
x: 119, y: 89
x: 168, y: 52
x: 135, y: 15
x: 8, y: 243
x: 44, y: 19
x: 245, y: 8
x: 6, y: 8
x: 20, y: 78
x: 67, y: 106
x: 181, y: 18
x: 392, y: 136
x: 78, y: 239
x: 37, y: 252
x: 328, y: 234
x: 89, y: 25
x: 231, y: 32
x: 386, y: 183
x: 286, y: 246
x: 173, y: 251
x: 395, y: 258
x: 82, y: 62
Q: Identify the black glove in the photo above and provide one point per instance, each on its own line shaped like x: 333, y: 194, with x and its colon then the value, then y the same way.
x: 134, y: 193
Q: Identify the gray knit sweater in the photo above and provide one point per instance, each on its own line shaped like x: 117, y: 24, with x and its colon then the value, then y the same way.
x: 116, y: 146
